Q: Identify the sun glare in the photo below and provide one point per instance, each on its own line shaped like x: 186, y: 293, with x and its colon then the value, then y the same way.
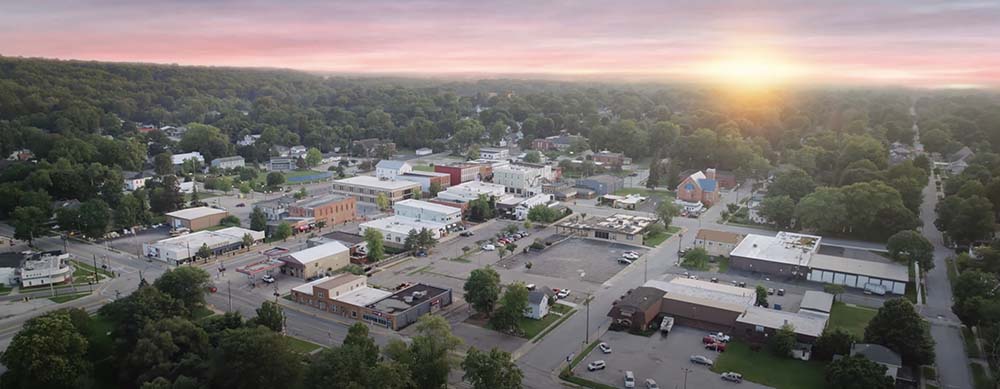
x: 751, y: 70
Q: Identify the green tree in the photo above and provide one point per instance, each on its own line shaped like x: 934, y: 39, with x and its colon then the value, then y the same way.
x: 761, y: 292
x: 513, y: 304
x: 163, y: 164
x: 67, y: 218
x: 48, y: 352
x: 374, y: 244
x: 794, y: 183
x: 29, y: 223
x: 204, y: 252
x: 255, y: 357
x: 834, y: 289
x: 275, y: 179
x: 145, y: 305
x: 230, y: 221
x: 857, y: 372
x: 313, y: 157
x: 435, y: 188
x: 832, y: 342
x: 822, y: 210
x: 501, y: 251
x: 532, y: 157
x: 696, y: 258
x: 973, y: 295
x: 966, y: 220
x: 129, y: 211
x: 482, y: 290
x: 354, y: 364
x: 783, y: 341
x: 907, y: 246
x: 778, y: 210
x: 667, y: 211
x: 427, y: 356
x: 491, y: 370
x: 206, y: 139
x: 95, y: 217
x: 186, y: 284
x: 167, y: 348
x: 382, y: 202
x: 270, y: 315
x: 258, y: 221
x: 898, y: 326
x: 247, y: 240
x: 481, y: 209
x: 282, y: 232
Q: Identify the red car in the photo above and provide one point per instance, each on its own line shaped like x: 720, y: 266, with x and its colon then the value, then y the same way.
x: 720, y: 347
x: 708, y: 340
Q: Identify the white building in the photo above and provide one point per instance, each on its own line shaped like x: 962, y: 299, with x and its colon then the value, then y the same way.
x: 228, y: 162
x: 521, y: 179
x: 494, y: 153
x: 468, y: 191
x: 45, y: 269
x: 281, y: 164
x: 178, y: 159
x: 522, y: 209
x: 395, y: 229
x: 135, y: 180
x: 424, y: 151
x: 538, y: 305
x: 297, y: 151
x: 180, y: 249
x: 426, y: 211
x: 390, y: 170
x: 248, y: 140
x: 425, y: 179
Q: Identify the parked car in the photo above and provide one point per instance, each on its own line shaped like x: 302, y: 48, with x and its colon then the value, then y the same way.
x: 715, y: 280
x: 667, y: 324
x: 525, y: 234
x: 466, y: 233
x: 732, y: 376
x: 701, y: 360
x: 629, y: 379
x: 624, y: 261
x: 720, y: 337
x: 268, y: 279
x: 632, y: 253
x: 605, y: 348
x: 563, y: 293
x: 708, y: 339
x: 530, y: 286
x: 241, y: 205
x: 781, y: 292
x: 717, y: 346
x: 651, y: 384
x: 770, y: 291
x: 630, y: 256
x: 489, y: 247
x: 596, y: 365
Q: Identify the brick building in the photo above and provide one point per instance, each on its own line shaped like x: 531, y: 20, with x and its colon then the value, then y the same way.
x: 331, y: 209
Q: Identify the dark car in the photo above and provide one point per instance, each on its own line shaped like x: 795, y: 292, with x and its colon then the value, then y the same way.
x: 241, y: 205
x: 466, y: 233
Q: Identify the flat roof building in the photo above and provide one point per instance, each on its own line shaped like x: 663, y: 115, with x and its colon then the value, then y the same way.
x: 460, y: 172
x: 816, y: 302
x: 316, y: 261
x: 718, y: 243
x: 466, y: 192
x: 856, y: 273
x: 786, y: 254
x: 332, y: 209
x: 395, y: 229
x: 759, y: 323
x: 350, y: 296
x: 44, y: 269
x: 197, y: 218
x: 620, y: 227
x: 367, y: 188
x: 228, y: 162
x: 427, y: 211
x: 182, y: 248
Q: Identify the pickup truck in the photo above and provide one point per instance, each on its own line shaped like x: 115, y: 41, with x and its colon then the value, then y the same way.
x: 666, y: 325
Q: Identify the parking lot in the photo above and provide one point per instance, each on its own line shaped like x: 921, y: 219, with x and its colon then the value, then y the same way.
x: 575, y: 259
x: 665, y: 359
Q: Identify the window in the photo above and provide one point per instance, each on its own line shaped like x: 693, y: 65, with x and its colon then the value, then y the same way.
x: 354, y: 314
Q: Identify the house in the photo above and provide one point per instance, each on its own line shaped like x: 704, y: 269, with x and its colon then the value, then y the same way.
x: 494, y: 153
x: 281, y: 164
x: 602, y: 184
x: 248, y: 140
x: 316, y: 261
x: 880, y: 355
x: 331, y: 209
x: 699, y: 188
x: 197, y: 218
x: 135, y: 180
x: 424, y: 151
x: 959, y: 160
x: 228, y: 162
x: 367, y: 189
x: 609, y: 159
x: 389, y: 169
x: 298, y: 151
x: 178, y: 159
x: 717, y: 243
x: 538, y: 305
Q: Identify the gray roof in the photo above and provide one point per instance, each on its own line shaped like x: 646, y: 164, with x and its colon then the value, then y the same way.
x: 882, y: 270
x: 877, y: 353
x: 535, y: 297
x: 817, y: 301
x: 390, y: 164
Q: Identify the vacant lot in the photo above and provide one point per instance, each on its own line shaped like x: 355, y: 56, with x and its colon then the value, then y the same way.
x: 765, y: 368
x: 852, y: 319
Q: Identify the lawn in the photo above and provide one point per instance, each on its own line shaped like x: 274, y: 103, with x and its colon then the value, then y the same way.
x: 68, y: 297
x: 722, y: 263
x: 971, y: 348
x: 201, y: 313
x: 764, y: 368
x: 653, y: 240
x: 531, y: 327
x: 423, y: 168
x: 4, y: 290
x: 302, y: 346
x: 84, y: 266
x: 852, y: 319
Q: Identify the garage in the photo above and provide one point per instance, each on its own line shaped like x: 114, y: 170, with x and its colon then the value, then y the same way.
x: 856, y: 273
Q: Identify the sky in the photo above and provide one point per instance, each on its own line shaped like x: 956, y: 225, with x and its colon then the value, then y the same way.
x: 938, y: 44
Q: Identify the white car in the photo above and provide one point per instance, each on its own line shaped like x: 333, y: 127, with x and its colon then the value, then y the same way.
x: 720, y: 337
x: 732, y: 376
x: 701, y: 360
x: 596, y: 365
x: 629, y: 379
x: 604, y: 348
x: 624, y: 261
x: 489, y: 247
x: 651, y: 384
x: 563, y: 293
x: 268, y: 279
x: 630, y: 255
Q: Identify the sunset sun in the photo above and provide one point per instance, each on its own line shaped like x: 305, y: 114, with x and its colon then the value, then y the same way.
x: 751, y: 70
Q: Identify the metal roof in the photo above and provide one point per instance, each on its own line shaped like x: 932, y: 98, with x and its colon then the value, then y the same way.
x: 194, y: 213
x: 316, y: 253
x: 804, y: 324
x: 817, y: 301
x: 883, y: 270
x: 390, y: 164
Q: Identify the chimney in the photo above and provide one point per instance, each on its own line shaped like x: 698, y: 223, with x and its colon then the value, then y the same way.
x: 710, y: 173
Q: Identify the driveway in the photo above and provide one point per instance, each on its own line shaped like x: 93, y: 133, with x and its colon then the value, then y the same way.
x: 662, y: 358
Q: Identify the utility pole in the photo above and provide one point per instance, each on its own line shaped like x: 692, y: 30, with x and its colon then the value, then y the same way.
x: 586, y: 336
x: 96, y: 278
x: 645, y: 269
x: 229, y: 287
x: 686, y: 371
